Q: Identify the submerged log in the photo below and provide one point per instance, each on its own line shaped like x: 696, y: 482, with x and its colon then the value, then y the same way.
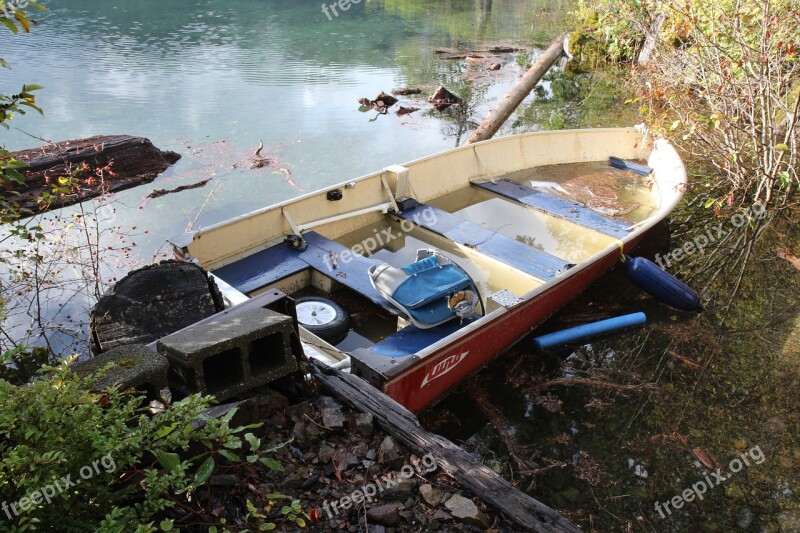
x: 515, y: 96
x: 152, y: 302
x: 451, y: 459
x: 98, y: 165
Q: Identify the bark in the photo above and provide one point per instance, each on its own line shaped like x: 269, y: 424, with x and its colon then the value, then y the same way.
x: 99, y: 165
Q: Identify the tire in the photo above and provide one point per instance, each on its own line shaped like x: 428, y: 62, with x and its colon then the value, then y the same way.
x: 323, y: 317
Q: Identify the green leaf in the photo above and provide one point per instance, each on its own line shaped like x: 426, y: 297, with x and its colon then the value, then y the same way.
x: 229, y: 415
x: 272, y: 464
x: 8, y: 23
x: 205, y: 471
x: 279, y: 446
x: 267, y: 527
x: 163, y: 432
x: 229, y: 455
x: 252, y: 458
x: 782, y: 147
x: 253, y: 441
x: 233, y: 444
x: 286, y: 509
x: 168, y: 460
x: 166, y: 524
x: 300, y: 522
x: 23, y: 20
x: 708, y: 203
x: 31, y: 87
x: 277, y: 496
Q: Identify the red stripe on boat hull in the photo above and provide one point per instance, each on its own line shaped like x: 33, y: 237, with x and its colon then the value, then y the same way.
x: 441, y: 371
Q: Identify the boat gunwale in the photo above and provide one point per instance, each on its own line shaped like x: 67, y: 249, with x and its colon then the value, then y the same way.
x: 184, y: 240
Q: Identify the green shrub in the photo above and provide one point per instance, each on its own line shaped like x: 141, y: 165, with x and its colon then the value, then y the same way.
x: 129, y: 463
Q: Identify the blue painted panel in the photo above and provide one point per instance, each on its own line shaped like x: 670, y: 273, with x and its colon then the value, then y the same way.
x: 572, y: 211
x: 262, y: 268
x: 411, y: 339
x: 351, y: 273
x: 516, y: 254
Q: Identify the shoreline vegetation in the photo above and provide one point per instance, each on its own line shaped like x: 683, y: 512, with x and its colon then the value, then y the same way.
x: 721, y: 80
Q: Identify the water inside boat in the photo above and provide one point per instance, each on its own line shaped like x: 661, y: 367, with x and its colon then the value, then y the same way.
x: 510, y: 235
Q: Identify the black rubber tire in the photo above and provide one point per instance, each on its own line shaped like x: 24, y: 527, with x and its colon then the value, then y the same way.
x: 333, y: 330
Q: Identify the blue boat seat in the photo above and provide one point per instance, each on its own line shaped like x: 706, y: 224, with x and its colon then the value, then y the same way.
x: 425, y: 289
x: 557, y: 207
x: 528, y: 259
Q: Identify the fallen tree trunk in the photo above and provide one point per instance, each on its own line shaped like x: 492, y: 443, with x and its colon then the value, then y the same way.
x: 515, y: 96
x: 97, y: 165
x: 451, y: 459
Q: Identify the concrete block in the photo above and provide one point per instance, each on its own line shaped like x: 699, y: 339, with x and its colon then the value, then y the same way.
x: 134, y: 366
x: 230, y: 355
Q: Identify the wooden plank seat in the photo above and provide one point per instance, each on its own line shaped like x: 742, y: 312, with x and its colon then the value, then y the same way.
x: 528, y: 259
x: 557, y: 207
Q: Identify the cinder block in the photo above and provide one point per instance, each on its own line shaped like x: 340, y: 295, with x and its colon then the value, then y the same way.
x: 134, y: 366
x: 230, y: 355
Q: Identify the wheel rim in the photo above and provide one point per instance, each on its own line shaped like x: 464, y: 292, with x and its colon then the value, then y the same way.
x: 315, y: 313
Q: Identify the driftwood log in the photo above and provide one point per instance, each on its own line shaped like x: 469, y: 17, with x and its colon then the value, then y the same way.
x: 451, y: 459
x: 515, y: 96
x: 152, y: 302
x: 99, y: 164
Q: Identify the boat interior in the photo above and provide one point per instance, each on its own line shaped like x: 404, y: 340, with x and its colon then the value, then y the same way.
x: 510, y: 234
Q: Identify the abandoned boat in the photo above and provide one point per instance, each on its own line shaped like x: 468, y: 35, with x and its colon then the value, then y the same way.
x: 415, y: 276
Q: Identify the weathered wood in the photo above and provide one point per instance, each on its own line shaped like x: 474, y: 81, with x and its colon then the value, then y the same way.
x: 152, y: 302
x: 100, y: 164
x: 451, y: 459
x: 515, y: 96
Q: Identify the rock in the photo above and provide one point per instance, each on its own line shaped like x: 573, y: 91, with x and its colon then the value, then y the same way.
x: 431, y: 494
x: 745, y: 518
x: 403, y: 489
x: 465, y: 511
x: 386, y: 515
x: 789, y: 521
x: 361, y: 423
x: 295, y: 480
x: 442, y: 515
x: 389, y: 453
x: 734, y: 492
x: 222, y: 480
x: 377, y: 529
x: 325, y: 453
x: 331, y: 411
x: 347, y: 461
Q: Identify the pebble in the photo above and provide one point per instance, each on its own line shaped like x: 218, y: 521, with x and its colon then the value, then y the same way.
x: 465, y: 511
x: 387, y: 515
